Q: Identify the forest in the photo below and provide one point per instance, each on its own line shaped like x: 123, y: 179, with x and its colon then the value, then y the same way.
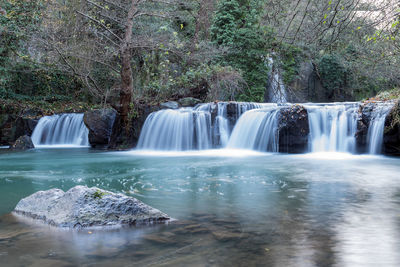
x: 125, y: 53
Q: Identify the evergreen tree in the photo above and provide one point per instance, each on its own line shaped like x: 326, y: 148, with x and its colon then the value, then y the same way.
x: 236, y: 26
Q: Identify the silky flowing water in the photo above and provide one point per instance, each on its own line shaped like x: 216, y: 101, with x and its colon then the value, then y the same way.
x: 232, y: 208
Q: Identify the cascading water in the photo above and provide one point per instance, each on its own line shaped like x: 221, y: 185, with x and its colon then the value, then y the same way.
x: 376, y: 127
x: 257, y: 130
x: 61, y: 130
x: 332, y: 127
x: 176, y: 130
x: 276, y: 88
x: 226, y: 116
x: 253, y: 126
x: 205, y: 126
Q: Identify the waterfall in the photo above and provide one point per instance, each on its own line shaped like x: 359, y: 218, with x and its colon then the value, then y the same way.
x: 253, y: 126
x: 332, y: 127
x: 257, y: 130
x: 276, y: 87
x: 222, y: 127
x: 176, y: 130
x: 377, y: 126
x: 226, y: 116
x: 61, y: 130
x: 205, y: 126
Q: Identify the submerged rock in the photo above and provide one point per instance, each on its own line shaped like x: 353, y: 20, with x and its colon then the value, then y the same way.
x: 23, y: 143
x: 293, y: 129
x: 85, y: 207
x: 100, y: 123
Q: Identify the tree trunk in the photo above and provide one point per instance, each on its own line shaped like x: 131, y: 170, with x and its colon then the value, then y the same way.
x: 121, y: 136
x: 126, y: 69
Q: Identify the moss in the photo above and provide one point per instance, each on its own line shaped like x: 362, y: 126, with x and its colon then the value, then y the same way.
x: 99, y: 194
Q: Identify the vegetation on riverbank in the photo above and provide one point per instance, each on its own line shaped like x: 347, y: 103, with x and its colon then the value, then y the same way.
x: 43, y: 107
x: 70, y: 51
x: 393, y: 94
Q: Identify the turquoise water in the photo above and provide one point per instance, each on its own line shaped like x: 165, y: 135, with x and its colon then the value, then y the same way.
x: 233, y: 208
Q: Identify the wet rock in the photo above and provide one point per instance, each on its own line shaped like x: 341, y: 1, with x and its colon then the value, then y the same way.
x: 170, y: 105
x: 233, y: 112
x: 122, y: 140
x: 365, y: 114
x: 15, y: 123
x: 22, y: 143
x: 293, y: 129
x: 391, y: 136
x: 189, y: 101
x: 84, y: 207
x: 25, y: 126
x: 100, y: 123
x: 305, y: 86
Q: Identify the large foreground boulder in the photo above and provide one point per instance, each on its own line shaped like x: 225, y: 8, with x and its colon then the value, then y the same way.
x: 22, y: 143
x: 85, y: 207
x: 100, y: 123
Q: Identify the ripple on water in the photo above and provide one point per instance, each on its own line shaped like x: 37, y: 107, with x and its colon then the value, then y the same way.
x: 271, y: 209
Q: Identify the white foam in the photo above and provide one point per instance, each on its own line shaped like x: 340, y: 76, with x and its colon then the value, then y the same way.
x: 197, y: 153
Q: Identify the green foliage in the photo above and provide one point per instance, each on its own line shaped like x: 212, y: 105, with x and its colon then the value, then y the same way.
x: 202, y: 81
x: 133, y: 112
x: 355, y: 62
x: 16, y: 23
x: 389, y: 95
x: 21, y: 78
x: 291, y: 57
x: 99, y: 194
x: 334, y: 74
x: 236, y: 27
x: 226, y: 23
x: 46, y: 107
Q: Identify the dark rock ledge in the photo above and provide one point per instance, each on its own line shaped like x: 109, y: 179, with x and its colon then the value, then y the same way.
x: 23, y: 143
x: 87, y: 207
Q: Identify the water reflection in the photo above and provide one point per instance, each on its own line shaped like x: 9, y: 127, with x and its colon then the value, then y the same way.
x: 264, y: 209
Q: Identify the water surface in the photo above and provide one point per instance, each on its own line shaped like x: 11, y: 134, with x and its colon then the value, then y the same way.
x: 233, y: 208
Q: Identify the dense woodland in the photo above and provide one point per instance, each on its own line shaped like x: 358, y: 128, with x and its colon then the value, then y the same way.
x: 129, y: 52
